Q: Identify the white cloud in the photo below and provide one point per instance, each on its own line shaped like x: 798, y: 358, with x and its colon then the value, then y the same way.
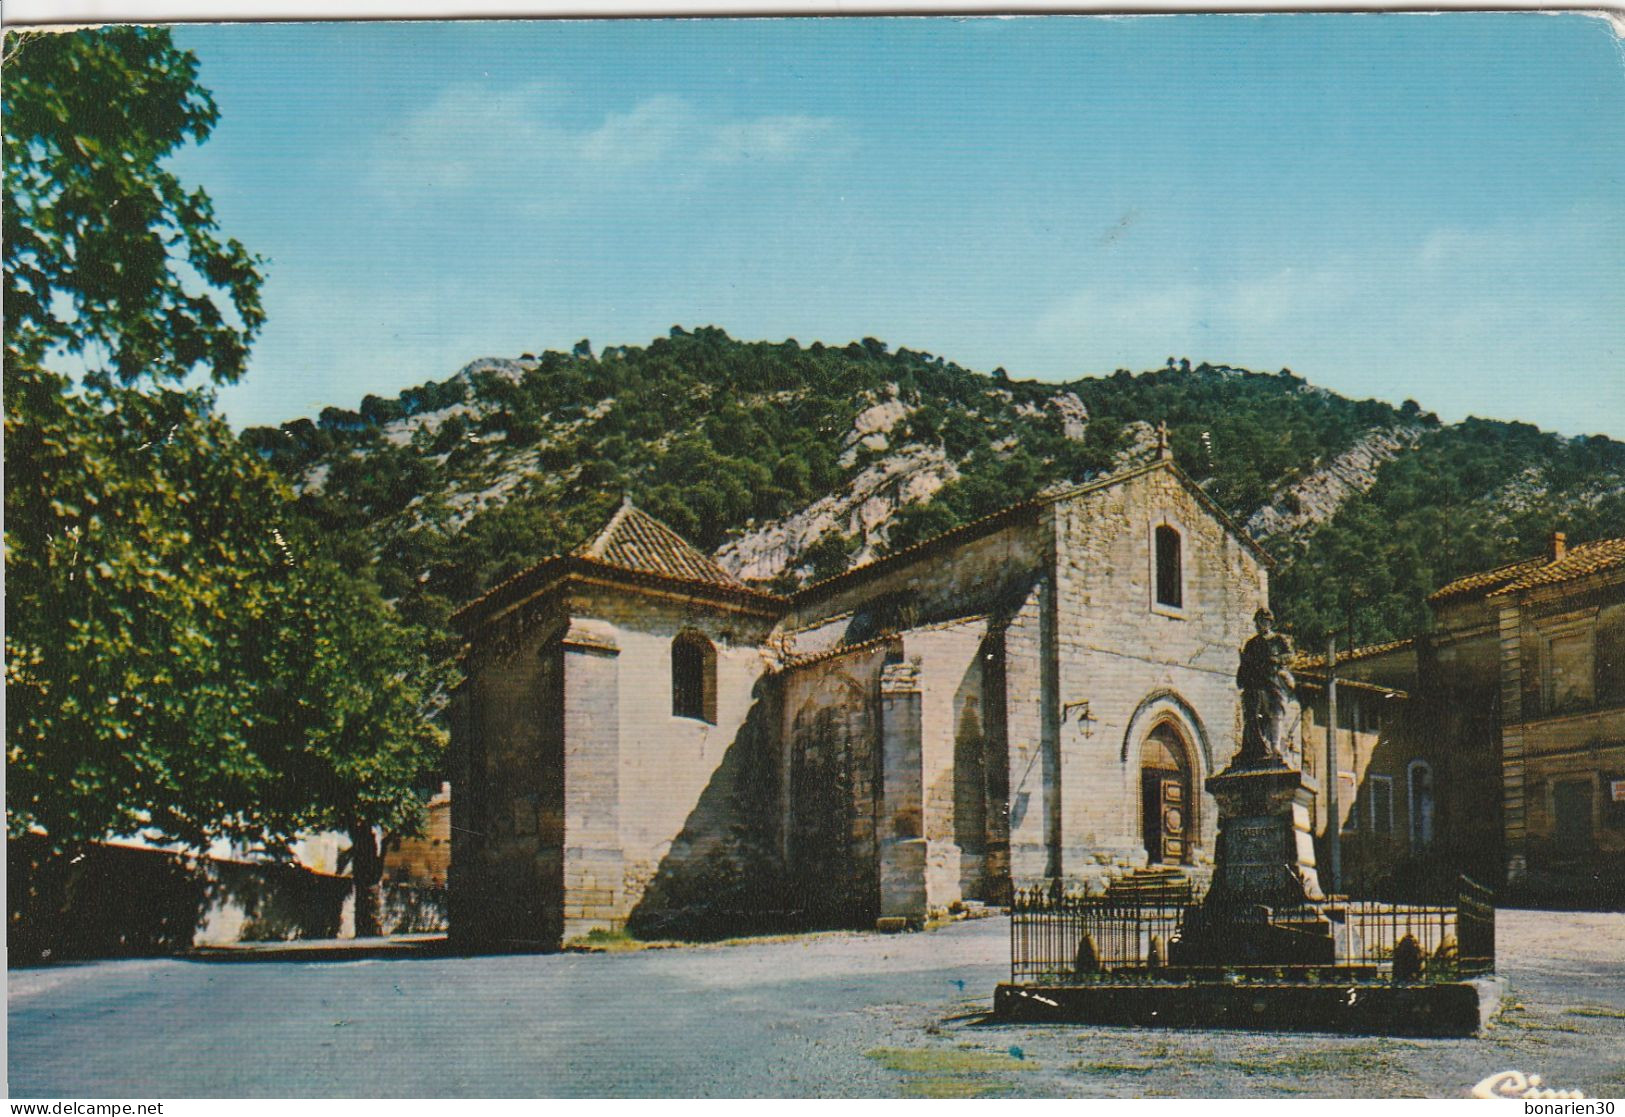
x: 653, y: 130
x: 518, y: 146
x: 1118, y: 322
x: 772, y: 139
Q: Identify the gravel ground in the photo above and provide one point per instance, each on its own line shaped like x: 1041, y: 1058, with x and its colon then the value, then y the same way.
x: 836, y: 1015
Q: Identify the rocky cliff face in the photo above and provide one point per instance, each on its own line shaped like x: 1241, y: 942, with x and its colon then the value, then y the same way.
x: 862, y: 510
x: 1296, y: 508
x: 790, y: 461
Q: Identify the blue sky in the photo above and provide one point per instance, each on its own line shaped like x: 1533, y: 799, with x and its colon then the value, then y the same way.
x: 1393, y: 206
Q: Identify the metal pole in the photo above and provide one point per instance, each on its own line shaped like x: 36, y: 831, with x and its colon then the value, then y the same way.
x: 1334, y: 828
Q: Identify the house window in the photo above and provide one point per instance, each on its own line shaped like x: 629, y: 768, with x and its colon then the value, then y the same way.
x: 1569, y: 671
x: 694, y: 678
x: 1381, y: 798
x: 1419, y: 775
x: 1571, y: 815
x: 1170, y: 578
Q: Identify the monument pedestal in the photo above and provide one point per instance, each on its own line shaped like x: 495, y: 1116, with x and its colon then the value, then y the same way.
x: 1266, y: 851
x: 1261, y: 908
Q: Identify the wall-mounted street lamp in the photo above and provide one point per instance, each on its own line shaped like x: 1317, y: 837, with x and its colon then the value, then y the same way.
x: 1086, y: 722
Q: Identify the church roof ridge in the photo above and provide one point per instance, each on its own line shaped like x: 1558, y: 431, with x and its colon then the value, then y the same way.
x: 635, y: 540
x: 631, y: 543
x: 594, y: 547
x: 973, y: 528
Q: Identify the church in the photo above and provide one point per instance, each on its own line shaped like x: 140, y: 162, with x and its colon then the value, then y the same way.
x: 644, y: 742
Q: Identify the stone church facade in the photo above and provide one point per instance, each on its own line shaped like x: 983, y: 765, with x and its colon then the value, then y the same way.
x: 643, y: 741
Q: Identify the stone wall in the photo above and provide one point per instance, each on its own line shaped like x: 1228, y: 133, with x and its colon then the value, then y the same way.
x: 507, y: 774
x: 1030, y: 732
x: 590, y: 803
x: 944, y: 802
x: 1563, y: 740
x: 831, y: 799
x: 958, y: 577
x: 673, y: 776
x: 1125, y: 664
x: 106, y: 900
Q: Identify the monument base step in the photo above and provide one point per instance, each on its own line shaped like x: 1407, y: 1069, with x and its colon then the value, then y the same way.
x: 1458, y: 1008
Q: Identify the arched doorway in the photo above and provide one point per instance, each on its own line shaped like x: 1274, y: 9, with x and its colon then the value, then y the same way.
x: 1167, y: 797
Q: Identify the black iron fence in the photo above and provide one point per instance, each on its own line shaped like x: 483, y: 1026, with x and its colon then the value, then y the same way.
x: 1475, y: 927
x: 1054, y: 936
x: 1064, y: 937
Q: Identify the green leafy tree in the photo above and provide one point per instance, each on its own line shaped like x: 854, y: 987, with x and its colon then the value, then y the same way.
x: 134, y: 521
x: 106, y: 252
x: 134, y: 542
x: 171, y: 667
x: 344, y: 714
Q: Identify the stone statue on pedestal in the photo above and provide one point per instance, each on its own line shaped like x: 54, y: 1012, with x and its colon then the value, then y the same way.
x: 1266, y: 683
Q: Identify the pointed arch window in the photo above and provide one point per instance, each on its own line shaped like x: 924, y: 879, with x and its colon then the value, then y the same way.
x: 694, y: 678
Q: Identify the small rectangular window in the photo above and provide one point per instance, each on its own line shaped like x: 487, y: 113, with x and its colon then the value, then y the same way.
x: 1382, y: 805
x: 1170, y: 580
x: 694, y: 678
x: 1570, y: 672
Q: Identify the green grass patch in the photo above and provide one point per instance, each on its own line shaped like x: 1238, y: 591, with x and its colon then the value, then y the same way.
x: 599, y: 939
x: 1110, y: 1066
x: 954, y: 1087
x: 1599, y: 1012
x: 940, y: 1060
x: 1361, y: 1058
x: 1180, y: 1056
x: 950, y: 1072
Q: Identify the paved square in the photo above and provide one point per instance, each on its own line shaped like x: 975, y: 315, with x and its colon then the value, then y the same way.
x: 826, y: 1015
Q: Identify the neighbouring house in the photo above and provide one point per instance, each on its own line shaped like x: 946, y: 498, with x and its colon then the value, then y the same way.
x: 644, y: 741
x: 1418, y: 787
x: 1541, y: 644
x: 1492, y: 744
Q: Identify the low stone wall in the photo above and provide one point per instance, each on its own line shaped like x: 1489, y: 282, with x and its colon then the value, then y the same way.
x: 110, y: 901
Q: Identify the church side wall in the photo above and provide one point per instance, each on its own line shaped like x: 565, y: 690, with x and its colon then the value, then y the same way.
x: 989, y: 573
x: 675, y: 778
x: 1135, y: 663
x: 1031, y: 779
x: 508, y: 789
x: 831, y: 807
x: 953, y: 780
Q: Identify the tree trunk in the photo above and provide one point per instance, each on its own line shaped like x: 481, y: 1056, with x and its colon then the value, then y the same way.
x: 366, y: 874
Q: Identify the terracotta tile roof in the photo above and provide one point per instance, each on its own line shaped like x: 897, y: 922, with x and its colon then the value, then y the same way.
x: 1484, y: 581
x: 1581, y: 559
x: 634, y: 544
x: 1311, y: 661
x: 885, y: 638
x: 635, y: 540
x: 1316, y: 678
